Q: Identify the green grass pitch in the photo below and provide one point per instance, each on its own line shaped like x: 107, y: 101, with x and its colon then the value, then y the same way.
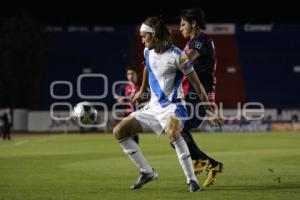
x: 93, y: 166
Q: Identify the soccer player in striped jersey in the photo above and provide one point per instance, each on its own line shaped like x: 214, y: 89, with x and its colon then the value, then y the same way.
x: 165, y: 66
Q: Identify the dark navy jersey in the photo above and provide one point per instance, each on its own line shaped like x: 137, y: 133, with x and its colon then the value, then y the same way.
x: 205, y: 64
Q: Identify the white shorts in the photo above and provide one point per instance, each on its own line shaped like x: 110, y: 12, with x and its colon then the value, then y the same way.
x: 155, y: 116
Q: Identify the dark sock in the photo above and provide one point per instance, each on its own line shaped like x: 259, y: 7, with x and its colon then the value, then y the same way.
x: 136, y: 138
x: 195, y: 151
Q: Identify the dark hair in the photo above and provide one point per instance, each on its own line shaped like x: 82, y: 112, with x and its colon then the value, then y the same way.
x: 161, y: 36
x: 196, y: 14
x: 130, y: 67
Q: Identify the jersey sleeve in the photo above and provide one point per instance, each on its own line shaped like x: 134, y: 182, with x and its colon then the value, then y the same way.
x: 198, y: 45
x: 184, y: 64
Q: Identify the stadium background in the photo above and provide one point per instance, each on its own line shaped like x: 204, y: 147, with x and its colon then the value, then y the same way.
x: 258, y: 60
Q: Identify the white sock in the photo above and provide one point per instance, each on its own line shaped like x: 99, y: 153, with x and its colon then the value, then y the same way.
x: 133, y: 151
x: 185, y: 160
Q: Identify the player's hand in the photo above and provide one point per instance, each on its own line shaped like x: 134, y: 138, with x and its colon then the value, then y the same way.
x: 137, y: 97
x: 121, y: 99
x: 214, y: 119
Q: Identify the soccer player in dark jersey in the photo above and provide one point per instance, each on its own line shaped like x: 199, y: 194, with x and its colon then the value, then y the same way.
x: 201, y: 52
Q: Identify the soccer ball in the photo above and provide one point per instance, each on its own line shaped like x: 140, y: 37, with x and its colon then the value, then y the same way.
x: 85, y: 113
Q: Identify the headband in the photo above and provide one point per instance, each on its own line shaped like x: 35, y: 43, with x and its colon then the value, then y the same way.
x: 146, y: 28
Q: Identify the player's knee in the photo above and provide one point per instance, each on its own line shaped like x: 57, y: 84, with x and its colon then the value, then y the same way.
x: 173, y: 136
x: 117, y: 131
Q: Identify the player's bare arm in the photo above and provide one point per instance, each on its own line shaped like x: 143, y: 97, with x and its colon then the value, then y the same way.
x: 195, y: 82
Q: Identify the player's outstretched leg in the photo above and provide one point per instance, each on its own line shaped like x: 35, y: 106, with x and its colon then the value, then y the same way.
x: 123, y: 132
x: 182, y: 151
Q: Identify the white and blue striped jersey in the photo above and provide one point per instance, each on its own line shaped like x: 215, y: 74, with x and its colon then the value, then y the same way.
x: 165, y: 72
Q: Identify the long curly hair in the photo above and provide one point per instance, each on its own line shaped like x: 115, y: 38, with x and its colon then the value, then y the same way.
x: 161, y: 36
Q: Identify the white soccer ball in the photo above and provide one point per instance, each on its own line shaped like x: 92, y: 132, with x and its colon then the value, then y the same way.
x: 85, y: 113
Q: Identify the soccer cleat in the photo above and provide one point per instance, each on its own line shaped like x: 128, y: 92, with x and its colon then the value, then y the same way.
x: 212, y: 173
x: 143, y: 179
x: 200, y: 166
x: 194, y: 186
